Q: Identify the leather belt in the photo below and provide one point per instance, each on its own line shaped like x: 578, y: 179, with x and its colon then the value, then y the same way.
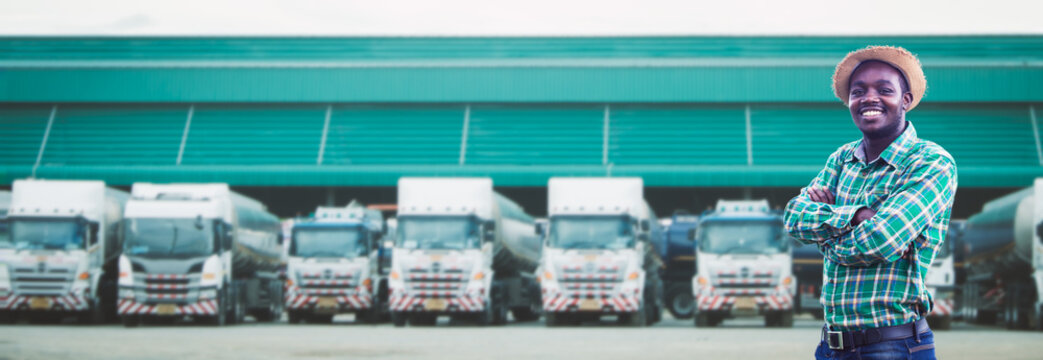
x: 847, y: 340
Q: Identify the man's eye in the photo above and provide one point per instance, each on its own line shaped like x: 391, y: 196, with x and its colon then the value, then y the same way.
x: 856, y: 92
x: 886, y: 91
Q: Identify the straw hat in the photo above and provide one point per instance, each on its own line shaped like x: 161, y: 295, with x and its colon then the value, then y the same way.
x: 900, y: 58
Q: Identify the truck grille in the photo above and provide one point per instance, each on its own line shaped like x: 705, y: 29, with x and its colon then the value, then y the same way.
x: 178, y: 287
x: 590, y: 282
x: 327, y: 283
x: 428, y: 283
x: 30, y: 280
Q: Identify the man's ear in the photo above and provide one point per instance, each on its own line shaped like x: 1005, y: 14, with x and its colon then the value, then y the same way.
x: 907, y: 99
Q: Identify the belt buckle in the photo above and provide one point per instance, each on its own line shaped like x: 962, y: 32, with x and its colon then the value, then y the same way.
x: 835, y: 340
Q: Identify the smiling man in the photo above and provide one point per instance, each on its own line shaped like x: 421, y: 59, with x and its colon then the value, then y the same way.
x: 878, y: 211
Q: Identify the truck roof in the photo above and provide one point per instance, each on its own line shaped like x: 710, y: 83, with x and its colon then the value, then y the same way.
x: 445, y: 196
x: 591, y: 195
x: 61, y: 198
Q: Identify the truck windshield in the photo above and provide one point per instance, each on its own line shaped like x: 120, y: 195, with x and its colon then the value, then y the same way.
x: 591, y: 232
x: 438, y: 232
x: 47, y: 234
x: 741, y: 237
x: 328, y: 242
x: 186, y: 237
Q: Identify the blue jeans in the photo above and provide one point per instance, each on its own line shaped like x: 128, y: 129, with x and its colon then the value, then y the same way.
x: 894, y: 349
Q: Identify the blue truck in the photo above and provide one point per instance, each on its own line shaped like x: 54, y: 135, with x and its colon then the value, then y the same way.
x: 680, y: 265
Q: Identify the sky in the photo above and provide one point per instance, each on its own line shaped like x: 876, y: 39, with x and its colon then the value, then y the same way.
x: 517, y: 18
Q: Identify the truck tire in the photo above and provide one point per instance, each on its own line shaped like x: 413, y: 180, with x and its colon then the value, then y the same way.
x: 680, y: 302
x: 294, y: 317
x: 221, y: 318
x: 939, y: 322
x: 638, y: 318
x: 422, y: 319
x: 95, y: 314
x: 772, y: 319
x: 531, y: 313
x: 398, y: 318
x: 786, y: 319
x: 557, y: 319
x: 130, y: 321
x: 705, y: 319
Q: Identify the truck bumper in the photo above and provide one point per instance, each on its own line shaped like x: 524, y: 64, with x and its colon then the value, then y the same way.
x: 744, y: 303
x: 333, y: 303
x: 57, y: 303
x: 127, y: 306
x: 610, y: 305
x: 436, y: 303
x: 942, y: 308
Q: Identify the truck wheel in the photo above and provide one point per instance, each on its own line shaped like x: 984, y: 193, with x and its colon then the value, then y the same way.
x: 940, y: 322
x: 771, y: 319
x: 130, y: 321
x: 398, y: 318
x: 423, y: 319
x: 557, y: 319
x: 680, y: 302
x: 294, y: 317
x: 95, y: 314
x: 638, y: 318
x: 702, y: 319
x: 786, y: 319
x: 531, y: 313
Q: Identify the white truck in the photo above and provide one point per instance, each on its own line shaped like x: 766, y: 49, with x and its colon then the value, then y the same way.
x: 745, y: 265
x: 1004, y: 261
x: 61, y: 257
x: 941, y: 280
x: 603, y: 253
x: 200, y: 251
x: 334, y: 266
x: 462, y: 250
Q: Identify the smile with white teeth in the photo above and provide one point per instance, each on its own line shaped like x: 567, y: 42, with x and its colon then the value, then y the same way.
x: 869, y: 113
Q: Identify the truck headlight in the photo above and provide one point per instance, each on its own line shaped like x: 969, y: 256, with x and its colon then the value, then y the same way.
x: 208, y: 294
x: 126, y: 276
x: 212, y: 272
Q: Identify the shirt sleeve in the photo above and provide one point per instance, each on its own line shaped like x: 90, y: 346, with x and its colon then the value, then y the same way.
x: 924, y: 198
x: 813, y: 222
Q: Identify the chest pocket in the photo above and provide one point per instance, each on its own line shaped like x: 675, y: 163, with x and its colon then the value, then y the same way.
x: 876, y: 196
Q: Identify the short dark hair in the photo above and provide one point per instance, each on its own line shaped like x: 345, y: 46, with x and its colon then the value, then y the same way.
x: 904, y: 83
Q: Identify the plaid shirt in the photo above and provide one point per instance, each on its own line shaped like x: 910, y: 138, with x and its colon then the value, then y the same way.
x: 870, y: 276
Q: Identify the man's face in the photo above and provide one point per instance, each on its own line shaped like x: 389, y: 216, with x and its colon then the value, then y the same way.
x: 877, y: 100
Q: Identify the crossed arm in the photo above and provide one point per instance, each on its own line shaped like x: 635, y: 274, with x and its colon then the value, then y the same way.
x: 857, y: 235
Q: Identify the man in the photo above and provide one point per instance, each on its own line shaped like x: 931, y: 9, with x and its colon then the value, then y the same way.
x: 878, y: 211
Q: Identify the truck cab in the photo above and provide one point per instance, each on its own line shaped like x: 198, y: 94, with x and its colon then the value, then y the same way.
x: 602, y: 255
x: 62, y: 248
x: 333, y: 266
x: 745, y: 265
x: 461, y: 250
x: 198, y: 251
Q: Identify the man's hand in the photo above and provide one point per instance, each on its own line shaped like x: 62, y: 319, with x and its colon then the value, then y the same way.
x: 822, y: 195
x: 861, y: 215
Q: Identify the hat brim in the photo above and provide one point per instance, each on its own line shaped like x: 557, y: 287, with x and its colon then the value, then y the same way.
x: 898, y: 57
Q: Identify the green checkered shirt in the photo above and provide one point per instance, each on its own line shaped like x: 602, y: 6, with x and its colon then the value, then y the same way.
x: 868, y: 281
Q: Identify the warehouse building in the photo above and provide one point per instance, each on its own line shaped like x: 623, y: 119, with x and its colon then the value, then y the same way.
x: 301, y: 121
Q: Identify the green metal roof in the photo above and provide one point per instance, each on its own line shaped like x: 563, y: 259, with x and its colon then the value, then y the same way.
x: 501, y: 70
x: 678, y: 111
x: 670, y: 145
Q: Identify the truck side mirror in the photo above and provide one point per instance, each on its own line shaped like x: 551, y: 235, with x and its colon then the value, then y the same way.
x: 646, y: 225
x: 691, y: 234
x: 92, y: 234
x: 489, y: 232
x: 539, y: 229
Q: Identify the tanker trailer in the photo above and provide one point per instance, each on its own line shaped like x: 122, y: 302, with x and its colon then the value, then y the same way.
x: 462, y: 250
x: 200, y: 251
x: 1004, y: 260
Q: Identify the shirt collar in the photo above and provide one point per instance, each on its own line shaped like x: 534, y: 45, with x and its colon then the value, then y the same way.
x: 894, y: 152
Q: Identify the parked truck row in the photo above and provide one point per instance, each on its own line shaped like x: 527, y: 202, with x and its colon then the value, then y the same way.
x: 455, y: 248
